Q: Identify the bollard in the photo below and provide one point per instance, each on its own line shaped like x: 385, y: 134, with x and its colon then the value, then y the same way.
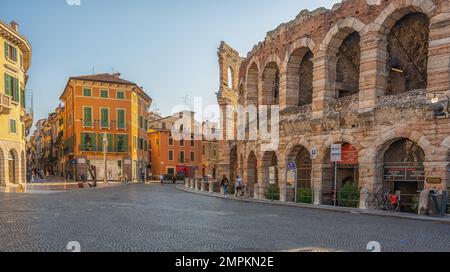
x: 203, y: 186
x: 211, y: 186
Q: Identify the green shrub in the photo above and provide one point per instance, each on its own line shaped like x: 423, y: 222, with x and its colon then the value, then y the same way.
x: 273, y: 192
x: 168, y: 177
x: 180, y: 177
x: 305, y: 196
x: 349, y: 195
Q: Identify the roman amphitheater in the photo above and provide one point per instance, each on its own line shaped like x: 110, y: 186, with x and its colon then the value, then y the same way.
x: 372, y: 76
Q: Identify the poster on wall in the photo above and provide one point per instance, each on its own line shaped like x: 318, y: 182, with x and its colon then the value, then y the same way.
x: 272, y: 175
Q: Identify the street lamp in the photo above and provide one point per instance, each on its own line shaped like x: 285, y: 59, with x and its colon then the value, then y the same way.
x: 105, y: 146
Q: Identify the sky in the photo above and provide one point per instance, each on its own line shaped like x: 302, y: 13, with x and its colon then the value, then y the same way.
x: 167, y: 46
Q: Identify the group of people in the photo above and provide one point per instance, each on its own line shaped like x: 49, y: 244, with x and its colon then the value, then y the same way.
x: 162, y: 179
x: 238, y: 185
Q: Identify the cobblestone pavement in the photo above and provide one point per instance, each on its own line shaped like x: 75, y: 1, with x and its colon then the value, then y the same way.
x: 161, y: 218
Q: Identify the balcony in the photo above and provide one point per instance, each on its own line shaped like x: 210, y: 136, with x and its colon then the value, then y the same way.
x: 5, y: 104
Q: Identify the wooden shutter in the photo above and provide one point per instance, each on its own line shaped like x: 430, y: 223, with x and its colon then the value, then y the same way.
x: 93, y: 141
x: 6, y: 50
x: 16, y: 90
x: 7, y: 85
x: 110, y: 143
x: 83, y: 142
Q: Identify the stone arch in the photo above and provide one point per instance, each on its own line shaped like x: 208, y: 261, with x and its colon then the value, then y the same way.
x: 270, y: 174
x: 341, y: 47
x: 299, y: 77
x: 301, y: 156
x: 24, y: 167
x: 251, y: 178
x: 13, y: 166
x: 404, y: 29
x: 252, y: 87
x: 233, y: 163
x: 3, y: 169
x: 271, y: 84
x: 337, y: 139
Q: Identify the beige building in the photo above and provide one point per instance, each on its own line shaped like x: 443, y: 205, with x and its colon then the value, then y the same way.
x: 15, y: 116
x: 372, y: 78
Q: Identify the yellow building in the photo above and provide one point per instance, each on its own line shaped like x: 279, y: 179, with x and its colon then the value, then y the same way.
x: 15, y: 120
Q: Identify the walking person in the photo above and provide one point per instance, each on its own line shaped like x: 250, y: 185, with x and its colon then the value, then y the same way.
x: 174, y: 179
x: 161, y: 179
x: 238, y: 186
x: 224, y: 184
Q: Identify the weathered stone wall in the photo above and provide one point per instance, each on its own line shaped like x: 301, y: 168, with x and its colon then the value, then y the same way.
x: 370, y: 118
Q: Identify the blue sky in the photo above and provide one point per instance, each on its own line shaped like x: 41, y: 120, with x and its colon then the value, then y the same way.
x: 167, y: 46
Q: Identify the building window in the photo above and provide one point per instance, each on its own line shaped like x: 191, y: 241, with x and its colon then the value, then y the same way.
x: 171, y: 171
x: 10, y: 52
x: 121, y: 119
x: 192, y: 156
x: 171, y: 141
x: 120, y: 95
x: 104, y: 117
x: 146, y: 125
x: 104, y: 94
x: 12, y: 126
x: 87, y: 142
x: 122, y: 143
x: 12, y: 87
x: 87, y: 92
x: 204, y: 150
x: 141, y: 144
x: 141, y: 122
x: 192, y: 143
x: 181, y: 156
x: 87, y: 117
x: 181, y: 142
x: 171, y: 155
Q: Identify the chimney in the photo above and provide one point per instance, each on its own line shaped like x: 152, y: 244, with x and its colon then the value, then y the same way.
x: 117, y: 75
x: 15, y: 26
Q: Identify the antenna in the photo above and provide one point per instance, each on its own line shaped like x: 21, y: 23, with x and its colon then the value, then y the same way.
x: 186, y: 99
x: 93, y: 70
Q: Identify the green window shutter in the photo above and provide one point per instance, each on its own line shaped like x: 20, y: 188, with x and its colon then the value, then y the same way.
x: 6, y: 50
x: 104, y: 93
x: 126, y: 144
x: 110, y: 143
x: 100, y: 142
x: 16, y: 90
x: 121, y: 119
x: 120, y: 95
x: 116, y: 147
x: 146, y: 125
x: 87, y: 92
x: 83, y: 142
x: 105, y: 118
x: 93, y: 141
x: 22, y: 98
x: 141, y: 123
x: 14, y: 54
x: 87, y: 117
x: 7, y: 85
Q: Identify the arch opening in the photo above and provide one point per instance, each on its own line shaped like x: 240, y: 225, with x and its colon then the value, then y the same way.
x: 13, y: 167
x: 300, y: 78
x: 251, y: 180
x: 348, y: 66
x: 271, y: 84
x: 407, y: 54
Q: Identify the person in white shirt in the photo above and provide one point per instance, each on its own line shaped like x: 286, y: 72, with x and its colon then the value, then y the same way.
x: 238, y: 186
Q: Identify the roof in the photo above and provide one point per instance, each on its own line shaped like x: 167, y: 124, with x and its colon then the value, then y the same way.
x: 107, y: 78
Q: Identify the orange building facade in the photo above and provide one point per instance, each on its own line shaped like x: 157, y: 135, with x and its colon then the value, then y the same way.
x: 99, y: 105
x: 172, y: 157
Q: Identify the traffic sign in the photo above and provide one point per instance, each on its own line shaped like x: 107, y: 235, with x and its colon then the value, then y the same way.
x: 336, y: 153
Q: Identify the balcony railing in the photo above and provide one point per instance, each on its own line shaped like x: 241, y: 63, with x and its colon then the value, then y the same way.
x: 5, y: 103
x: 96, y: 149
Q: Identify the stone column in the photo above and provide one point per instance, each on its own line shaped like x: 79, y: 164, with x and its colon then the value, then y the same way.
x: 372, y: 83
x: 316, y: 180
x: 319, y: 84
x: 370, y: 180
x: 262, y: 182
x: 439, y: 52
x: 282, y: 182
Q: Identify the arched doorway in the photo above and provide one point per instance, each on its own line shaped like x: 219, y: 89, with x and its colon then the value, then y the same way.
x: 404, y: 172
x: 407, y: 54
x: 302, y: 158
x: 233, y: 164
x: 251, y: 180
x: 270, y: 175
x: 342, y: 175
x: 13, y: 163
x: 348, y: 66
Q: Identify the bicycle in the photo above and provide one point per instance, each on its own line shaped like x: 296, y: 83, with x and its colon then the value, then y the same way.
x: 384, y: 200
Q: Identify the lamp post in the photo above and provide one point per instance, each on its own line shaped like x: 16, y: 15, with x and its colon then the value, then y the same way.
x: 105, y: 147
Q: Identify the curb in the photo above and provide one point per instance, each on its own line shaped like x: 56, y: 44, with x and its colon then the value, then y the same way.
x: 445, y: 219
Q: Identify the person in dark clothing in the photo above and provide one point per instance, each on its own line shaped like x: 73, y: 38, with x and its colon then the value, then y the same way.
x: 224, y: 184
x: 174, y: 179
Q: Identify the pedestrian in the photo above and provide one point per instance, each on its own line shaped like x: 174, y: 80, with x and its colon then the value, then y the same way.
x: 224, y: 184
x: 161, y: 179
x: 238, y: 187
x: 174, y: 179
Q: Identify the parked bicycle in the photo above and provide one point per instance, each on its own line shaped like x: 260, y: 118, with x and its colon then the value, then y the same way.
x: 384, y: 200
